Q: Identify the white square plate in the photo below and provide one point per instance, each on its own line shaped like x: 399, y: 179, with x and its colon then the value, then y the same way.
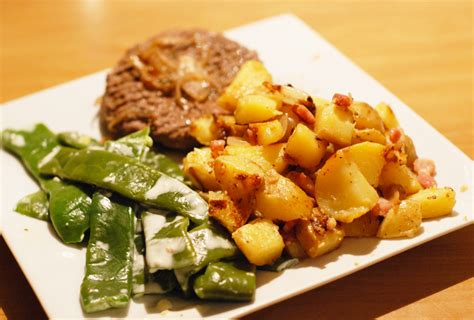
x: 294, y: 54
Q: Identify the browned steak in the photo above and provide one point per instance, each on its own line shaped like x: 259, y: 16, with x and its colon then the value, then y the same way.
x: 168, y: 81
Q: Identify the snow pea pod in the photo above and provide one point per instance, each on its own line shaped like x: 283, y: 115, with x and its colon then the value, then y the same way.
x: 231, y: 281
x: 164, y: 164
x: 134, y: 145
x: 211, y: 243
x: 108, y: 279
x: 76, y: 140
x: 167, y: 242
x: 34, y: 205
x: 68, y: 204
x: 128, y: 177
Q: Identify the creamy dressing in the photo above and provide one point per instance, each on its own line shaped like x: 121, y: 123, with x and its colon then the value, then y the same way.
x: 105, y: 203
x: 17, y: 140
x: 216, y: 242
x: 102, y: 245
x: 165, y: 184
x: 49, y: 157
x: 110, y: 178
x: 160, y: 252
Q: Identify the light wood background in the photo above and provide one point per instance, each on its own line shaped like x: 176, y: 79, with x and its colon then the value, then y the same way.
x: 421, y: 51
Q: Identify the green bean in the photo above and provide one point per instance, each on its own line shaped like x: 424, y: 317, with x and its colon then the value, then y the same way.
x: 108, y: 279
x: 76, y: 140
x: 68, y: 204
x: 167, y: 242
x: 211, y: 243
x: 128, y: 177
x: 231, y: 281
x: 34, y: 205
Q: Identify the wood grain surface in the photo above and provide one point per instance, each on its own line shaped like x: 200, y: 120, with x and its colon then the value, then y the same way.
x: 421, y: 51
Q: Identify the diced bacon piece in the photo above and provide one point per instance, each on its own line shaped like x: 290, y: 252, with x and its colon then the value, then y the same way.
x: 395, y: 134
x: 217, y: 146
x: 426, y: 180
x: 304, y: 114
x: 342, y: 100
x: 382, y: 207
x: 424, y: 165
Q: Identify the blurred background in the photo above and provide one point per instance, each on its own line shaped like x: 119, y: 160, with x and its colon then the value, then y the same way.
x: 420, y: 50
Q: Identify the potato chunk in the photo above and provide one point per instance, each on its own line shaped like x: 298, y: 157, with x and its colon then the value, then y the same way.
x: 435, y: 202
x: 388, y: 116
x: 240, y: 177
x: 395, y: 174
x: 259, y: 241
x: 366, y: 117
x: 249, y: 80
x: 304, y: 148
x: 267, y: 132
x: 334, y: 124
x: 342, y: 191
x: 370, y: 135
x: 204, y: 129
x: 198, y: 167
x: 224, y: 210
x: 275, y: 154
x: 315, y: 243
x: 255, y: 108
x: 365, y: 226
x: 401, y: 221
x: 281, y: 199
x: 369, y: 158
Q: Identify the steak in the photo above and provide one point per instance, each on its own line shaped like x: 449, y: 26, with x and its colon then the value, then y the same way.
x: 168, y: 81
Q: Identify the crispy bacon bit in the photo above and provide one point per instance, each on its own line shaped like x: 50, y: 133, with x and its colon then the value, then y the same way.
x: 424, y: 165
x: 272, y: 87
x: 289, y: 225
x: 304, y: 114
x: 251, y: 136
x: 395, y: 135
x: 425, y: 170
x: 302, y: 181
x: 342, y: 100
x: 217, y: 146
x: 382, y: 207
x: 426, y: 180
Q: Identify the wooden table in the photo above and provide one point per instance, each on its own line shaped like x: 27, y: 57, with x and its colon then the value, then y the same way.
x: 421, y: 51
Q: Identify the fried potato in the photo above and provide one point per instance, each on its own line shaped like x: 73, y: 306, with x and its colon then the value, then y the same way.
x: 342, y: 191
x: 394, y: 173
x: 255, y: 108
x: 267, y: 132
x: 388, y: 116
x: 365, y: 226
x: 314, y: 243
x: 334, y: 124
x: 259, y: 241
x: 369, y: 135
x: 226, y: 212
x: 401, y: 221
x: 365, y: 117
x: 204, y: 129
x: 304, y: 148
x: 198, y: 167
x: 435, y: 202
x: 275, y: 154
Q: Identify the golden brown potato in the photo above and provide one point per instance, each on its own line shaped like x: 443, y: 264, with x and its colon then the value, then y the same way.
x: 293, y: 247
x: 369, y: 135
x: 255, y: 108
x: 224, y: 210
x: 204, y: 129
x: 366, y: 117
x: 369, y: 158
x: 334, y: 124
x: 365, y: 226
x: 259, y: 241
x: 395, y: 174
x: 342, y: 191
x: 275, y: 154
x: 249, y: 80
x: 227, y: 124
x: 401, y: 221
x: 198, y: 167
x: 304, y: 148
x: 317, y: 243
x: 281, y: 199
x: 388, y: 116
x: 238, y: 176
x: 251, y: 153
x: 267, y: 132
x: 435, y: 202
